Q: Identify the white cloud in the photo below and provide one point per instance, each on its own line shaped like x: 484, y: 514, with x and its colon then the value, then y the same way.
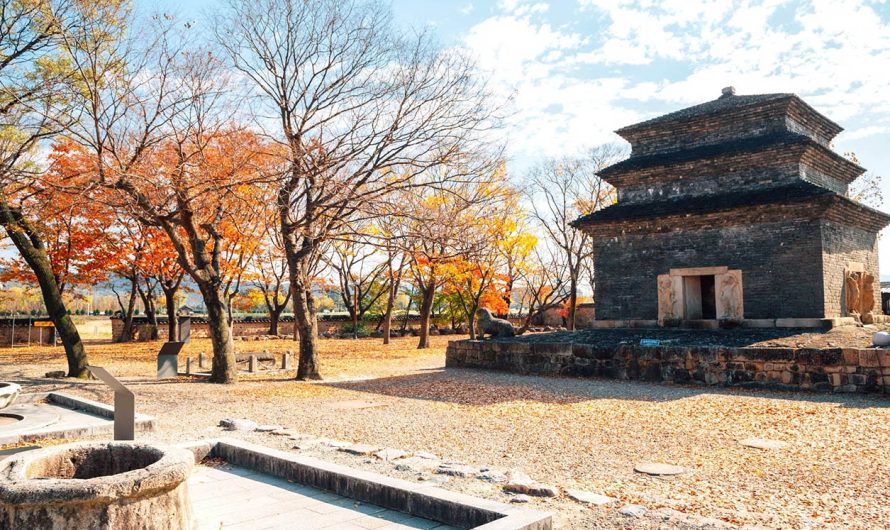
x: 575, y: 83
x: 467, y: 9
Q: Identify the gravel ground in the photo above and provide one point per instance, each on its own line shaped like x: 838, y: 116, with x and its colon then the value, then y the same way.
x: 572, y: 433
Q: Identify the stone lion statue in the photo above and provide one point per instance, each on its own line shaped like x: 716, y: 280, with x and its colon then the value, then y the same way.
x: 496, y: 327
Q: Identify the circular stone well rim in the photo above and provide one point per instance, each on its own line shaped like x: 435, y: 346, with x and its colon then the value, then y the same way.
x: 167, y: 473
x: 8, y: 393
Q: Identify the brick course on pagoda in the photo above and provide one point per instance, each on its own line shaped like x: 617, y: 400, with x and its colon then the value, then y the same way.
x: 735, y: 210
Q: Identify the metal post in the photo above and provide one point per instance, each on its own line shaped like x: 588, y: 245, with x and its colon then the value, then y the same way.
x: 188, y: 366
x: 251, y: 364
x: 201, y: 360
x: 124, y: 405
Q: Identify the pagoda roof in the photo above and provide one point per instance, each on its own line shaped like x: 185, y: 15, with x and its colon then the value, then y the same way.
x: 724, y: 104
x: 702, y: 204
x: 745, y: 145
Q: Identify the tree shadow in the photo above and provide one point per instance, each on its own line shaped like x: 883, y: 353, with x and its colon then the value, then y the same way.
x: 481, y: 388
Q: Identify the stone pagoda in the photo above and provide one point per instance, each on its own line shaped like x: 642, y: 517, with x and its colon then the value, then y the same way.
x: 735, y: 210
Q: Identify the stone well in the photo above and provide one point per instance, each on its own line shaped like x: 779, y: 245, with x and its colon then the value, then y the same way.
x: 97, y: 485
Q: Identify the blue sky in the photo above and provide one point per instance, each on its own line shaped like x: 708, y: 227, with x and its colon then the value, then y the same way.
x: 579, y: 69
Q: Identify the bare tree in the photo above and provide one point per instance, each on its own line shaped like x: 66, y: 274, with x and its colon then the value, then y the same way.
x: 362, y: 110
x: 271, y: 274
x: 562, y: 190
x: 362, y: 277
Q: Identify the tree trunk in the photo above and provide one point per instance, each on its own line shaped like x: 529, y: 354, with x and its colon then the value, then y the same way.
x: 573, y: 303
x: 31, y: 247
x: 307, y: 326
x: 224, y: 367
x: 172, y: 320
x: 471, y: 320
x: 387, y: 317
x: 127, y: 331
x: 274, y: 317
x: 426, y: 311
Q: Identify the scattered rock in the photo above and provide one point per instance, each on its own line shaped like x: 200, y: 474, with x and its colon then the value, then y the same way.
x: 456, y: 470
x: 491, y: 475
x: 231, y: 424
x: 762, y: 443
x: 337, y: 444
x: 632, y: 510
x: 655, y: 468
x: 439, y: 479
x: 520, y: 499
x: 55, y: 374
x: 881, y: 339
x: 588, y: 497
x: 268, y: 428
x: 519, y: 482
x: 359, y: 449
x: 389, y: 454
x: 426, y: 456
x: 416, y: 464
x: 286, y: 432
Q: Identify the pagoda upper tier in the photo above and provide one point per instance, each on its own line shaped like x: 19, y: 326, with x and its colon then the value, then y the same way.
x: 734, y: 143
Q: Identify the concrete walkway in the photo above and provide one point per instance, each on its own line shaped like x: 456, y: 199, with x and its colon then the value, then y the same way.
x: 238, y: 498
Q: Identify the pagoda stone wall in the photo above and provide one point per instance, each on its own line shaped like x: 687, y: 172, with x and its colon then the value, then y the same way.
x: 781, y: 264
x: 703, y: 182
x: 843, y: 245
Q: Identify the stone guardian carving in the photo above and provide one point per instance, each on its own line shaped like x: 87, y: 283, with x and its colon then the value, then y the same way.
x: 730, y: 299
x: 486, y: 323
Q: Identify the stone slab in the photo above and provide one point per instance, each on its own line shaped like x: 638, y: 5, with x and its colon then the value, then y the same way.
x: 659, y: 469
x: 762, y: 443
x: 588, y: 497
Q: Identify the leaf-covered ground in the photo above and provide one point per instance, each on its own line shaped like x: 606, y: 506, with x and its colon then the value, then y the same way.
x: 576, y: 433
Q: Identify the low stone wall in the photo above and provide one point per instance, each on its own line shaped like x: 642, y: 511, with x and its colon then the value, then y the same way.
x: 23, y: 332
x: 830, y: 369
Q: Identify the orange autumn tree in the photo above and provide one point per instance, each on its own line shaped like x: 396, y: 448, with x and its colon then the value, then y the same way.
x: 73, y: 228
x: 484, y: 274
x: 451, y: 223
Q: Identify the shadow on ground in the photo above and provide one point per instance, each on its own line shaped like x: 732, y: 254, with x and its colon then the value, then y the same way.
x: 480, y: 388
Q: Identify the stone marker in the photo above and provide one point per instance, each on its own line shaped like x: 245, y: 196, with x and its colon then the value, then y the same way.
x: 286, y: 360
x: 201, y: 360
x: 588, y: 497
x: 632, y: 510
x: 230, y: 424
x: 655, y: 468
x: 762, y: 443
x: 185, y: 330
x: 124, y: 405
x: 188, y: 366
x: 251, y: 364
x: 168, y: 360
